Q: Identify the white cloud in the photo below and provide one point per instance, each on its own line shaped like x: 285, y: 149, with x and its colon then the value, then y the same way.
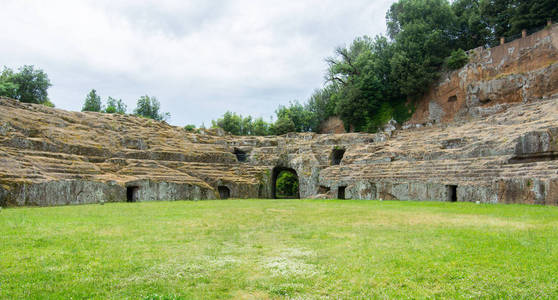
x: 200, y: 58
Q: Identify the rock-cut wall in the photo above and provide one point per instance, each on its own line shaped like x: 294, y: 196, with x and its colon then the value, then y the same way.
x: 523, y: 70
x: 54, y: 157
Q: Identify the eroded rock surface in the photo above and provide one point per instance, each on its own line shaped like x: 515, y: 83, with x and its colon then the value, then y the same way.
x: 523, y: 70
x: 54, y: 157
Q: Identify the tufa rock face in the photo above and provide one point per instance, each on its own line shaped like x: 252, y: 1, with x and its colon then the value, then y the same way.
x: 523, y: 70
x: 55, y: 157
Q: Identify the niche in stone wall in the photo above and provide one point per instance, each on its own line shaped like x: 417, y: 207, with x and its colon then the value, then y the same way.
x: 241, y: 156
x: 341, y: 192
x: 451, y: 193
x: 337, y: 156
x: 452, y: 98
x: 132, y: 193
x: 224, y: 192
x: 485, y: 100
x: 323, y: 189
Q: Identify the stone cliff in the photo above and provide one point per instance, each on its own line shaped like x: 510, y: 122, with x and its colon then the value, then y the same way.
x: 520, y: 71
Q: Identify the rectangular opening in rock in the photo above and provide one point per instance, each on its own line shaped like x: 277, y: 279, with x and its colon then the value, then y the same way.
x: 452, y: 98
x: 337, y: 156
x: 224, y: 192
x: 341, y: 192
x: 132, y: 193
x: 240, y: 155
x: 452, y: 193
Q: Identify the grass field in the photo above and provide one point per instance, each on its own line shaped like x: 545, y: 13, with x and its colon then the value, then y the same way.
x: 279, y: 249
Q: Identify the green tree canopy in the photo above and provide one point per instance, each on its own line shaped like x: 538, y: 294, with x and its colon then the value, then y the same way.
x: 507, y: 18
x: 284, y: 125
x: 471, y: 29
x: 261, y: 127
x: 238, y: 125
x: 115, y: 106
x: 498, y: 15
x: 7, y: 87
x: 423, y: 32
x: 321, y: 105
x: 230, y: 122
x: 92, y: 102
x: 190, y: 128
x: 361, y: 85
x: 27, y: 85
x: 149, y: 107
x: 298, y: 114
x: 457, y: 59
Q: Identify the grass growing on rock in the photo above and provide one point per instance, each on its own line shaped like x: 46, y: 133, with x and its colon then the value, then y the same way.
x: 279, y: 248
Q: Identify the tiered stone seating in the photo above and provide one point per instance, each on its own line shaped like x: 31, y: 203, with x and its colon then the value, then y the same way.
x: 51, y: 156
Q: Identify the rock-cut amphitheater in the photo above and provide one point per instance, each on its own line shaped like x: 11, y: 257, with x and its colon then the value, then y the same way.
x: 487, y: 132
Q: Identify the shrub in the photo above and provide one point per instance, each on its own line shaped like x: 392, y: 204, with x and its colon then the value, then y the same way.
x: 190, y: 128
x: 457, y: 59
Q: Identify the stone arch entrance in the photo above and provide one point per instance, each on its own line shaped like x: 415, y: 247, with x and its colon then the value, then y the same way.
x: 275, y: 193
x: 224, y: 192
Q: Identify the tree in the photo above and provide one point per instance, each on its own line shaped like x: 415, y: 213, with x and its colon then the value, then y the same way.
x: 7, y: 87
x: 506, y: 18
x: 296, y: 112
x: 471, y: 29
x: 28, y: 85
x: 322, y: 105
x: 247, y: 127
x: 359, y: 102
x: 350, y: 61
x: 115, y: 106
x: 92, y: 102
x: 362, y: 83
x: 149, y: 107
x: 532, y: 14
x: 230, y: 122
x: 261, y: 127
x: 434, y: 14
x: 423, y: 32
x: 283, y: 125
x: 238, y: 125
x: 498, y: 15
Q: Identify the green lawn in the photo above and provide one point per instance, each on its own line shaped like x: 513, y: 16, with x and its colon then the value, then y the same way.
x: 279, y: 248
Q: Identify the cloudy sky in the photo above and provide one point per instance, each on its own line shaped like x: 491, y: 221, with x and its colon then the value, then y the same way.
x: 200, y: 58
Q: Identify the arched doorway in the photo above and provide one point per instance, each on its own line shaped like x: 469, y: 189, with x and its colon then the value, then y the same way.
x: 224, y: 192
x: 284, y: 183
